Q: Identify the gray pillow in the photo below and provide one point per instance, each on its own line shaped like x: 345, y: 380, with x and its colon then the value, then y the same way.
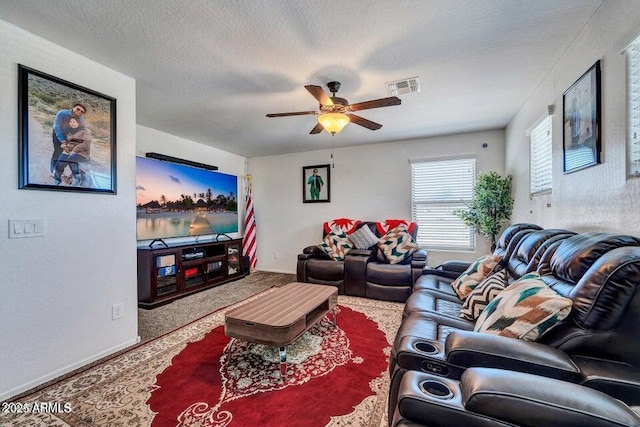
x: 363, y: 238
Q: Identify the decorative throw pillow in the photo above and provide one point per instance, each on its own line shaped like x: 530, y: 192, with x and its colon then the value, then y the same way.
x: 476, y: 273
x: 483, y: 294
x: 397, y: 245
x: 345, y: 224
x: 363, y: 238
x: 336, y: 244
x: 525, y: 310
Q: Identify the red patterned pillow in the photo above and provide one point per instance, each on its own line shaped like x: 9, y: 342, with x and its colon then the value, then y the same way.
x: 389, y: 224
x: 345, y: 224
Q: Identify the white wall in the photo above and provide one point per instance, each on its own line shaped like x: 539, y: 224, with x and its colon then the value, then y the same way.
x: 56, y: 291
x: 371, y: 182
x: 599, y: 197
x: 151, y: 140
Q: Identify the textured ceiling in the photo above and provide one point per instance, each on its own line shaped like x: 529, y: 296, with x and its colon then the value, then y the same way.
x: 209, y: 70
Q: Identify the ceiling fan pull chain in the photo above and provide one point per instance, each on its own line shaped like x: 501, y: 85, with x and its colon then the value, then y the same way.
x: 333, y: 150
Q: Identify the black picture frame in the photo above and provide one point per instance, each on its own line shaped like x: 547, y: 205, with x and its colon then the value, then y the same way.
x: 581, y: 104
x: 310, y: 195
x: 46, y: 102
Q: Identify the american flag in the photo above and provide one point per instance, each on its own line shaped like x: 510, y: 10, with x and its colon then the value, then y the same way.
x: 250, y: 229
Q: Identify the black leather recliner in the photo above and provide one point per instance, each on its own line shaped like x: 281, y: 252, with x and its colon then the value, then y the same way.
x: 393, y: 282
x: 364, y: 272
x: 314, y: 266
x: 505, y: 245
x: 485, y: 397
x: 435, y: 294
x: 594, y: 347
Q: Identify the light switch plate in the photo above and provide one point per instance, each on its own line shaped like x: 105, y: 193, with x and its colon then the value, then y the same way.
x: 23, y: 228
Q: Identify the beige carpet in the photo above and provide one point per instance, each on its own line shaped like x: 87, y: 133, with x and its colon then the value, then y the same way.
x: 114, y: 392
x: 160, y: 320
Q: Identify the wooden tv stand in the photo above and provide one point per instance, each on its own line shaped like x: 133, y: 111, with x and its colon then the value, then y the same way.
x: 168, y: 273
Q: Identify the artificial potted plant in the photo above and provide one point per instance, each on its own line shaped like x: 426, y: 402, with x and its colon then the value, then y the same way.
x: 492, y: 205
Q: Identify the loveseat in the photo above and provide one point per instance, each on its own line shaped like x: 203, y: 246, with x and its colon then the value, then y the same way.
x: 585, y: 370
x: 366, y: 271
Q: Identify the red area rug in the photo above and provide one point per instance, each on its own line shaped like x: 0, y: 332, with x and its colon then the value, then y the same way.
x: 336, y: 377
x: 330, y: 371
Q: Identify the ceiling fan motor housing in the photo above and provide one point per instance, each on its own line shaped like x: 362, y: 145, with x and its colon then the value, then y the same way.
x: 334, y: 87
x: 339, y: 105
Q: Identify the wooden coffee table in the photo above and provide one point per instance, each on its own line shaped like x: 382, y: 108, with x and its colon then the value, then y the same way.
x: 280, y: 317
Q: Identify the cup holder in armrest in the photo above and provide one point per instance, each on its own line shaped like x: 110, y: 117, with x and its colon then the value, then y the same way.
x: 425, y: 347
x: 436, y: 389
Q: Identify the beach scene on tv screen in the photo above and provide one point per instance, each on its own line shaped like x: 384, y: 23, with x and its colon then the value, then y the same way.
x: 174, y: 200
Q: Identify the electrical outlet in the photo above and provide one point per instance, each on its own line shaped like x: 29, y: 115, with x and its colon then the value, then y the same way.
x: 116, y: 311
x: 276, y: 255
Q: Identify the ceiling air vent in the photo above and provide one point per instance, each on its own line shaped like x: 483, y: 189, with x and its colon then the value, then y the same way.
x: 403, y: 86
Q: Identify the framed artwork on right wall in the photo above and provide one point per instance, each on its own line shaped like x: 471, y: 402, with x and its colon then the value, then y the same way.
x: 581, y: 122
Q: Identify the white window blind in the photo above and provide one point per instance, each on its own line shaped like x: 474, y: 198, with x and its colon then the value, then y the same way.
x: 438, y: 187
x: 633, y: 105
x: 540, y: 156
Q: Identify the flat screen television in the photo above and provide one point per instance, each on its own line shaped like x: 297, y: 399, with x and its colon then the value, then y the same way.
x: 175, y: 200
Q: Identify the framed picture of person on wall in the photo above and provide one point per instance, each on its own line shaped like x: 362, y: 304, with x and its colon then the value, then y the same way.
x: 67, y: 135
x: 316, y: 184
x: 581, y: 122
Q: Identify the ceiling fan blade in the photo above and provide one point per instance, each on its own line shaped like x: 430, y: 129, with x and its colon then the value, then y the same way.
x: 364, y: 122
x: 319, y: 94
x: 376, y: 103
x: 296, y: 113
x: 317, y: 129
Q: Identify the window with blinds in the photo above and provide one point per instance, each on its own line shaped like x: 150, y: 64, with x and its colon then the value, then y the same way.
x: 540, y: 157
x: 633, y: 105
x: 439, y: 187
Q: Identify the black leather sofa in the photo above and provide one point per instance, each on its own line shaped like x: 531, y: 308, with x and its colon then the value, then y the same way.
x: 585, y: 371
x: 433, y: 293
x: 505, y: 245
x: 486, y: 397
x: 364, y: 272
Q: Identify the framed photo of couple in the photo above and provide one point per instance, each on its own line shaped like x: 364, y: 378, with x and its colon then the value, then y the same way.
x: 581, y: 122
x: 67, y: 135
x: 316, y: 184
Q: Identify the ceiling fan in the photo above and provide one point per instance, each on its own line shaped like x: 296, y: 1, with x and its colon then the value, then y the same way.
x: 336, y: 112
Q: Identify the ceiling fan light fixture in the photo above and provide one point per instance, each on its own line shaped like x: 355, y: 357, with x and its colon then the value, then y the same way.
x: 333, y: 122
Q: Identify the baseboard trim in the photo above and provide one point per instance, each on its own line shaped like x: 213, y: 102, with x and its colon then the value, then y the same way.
x: 273, y: 270
x: 69, y: 368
